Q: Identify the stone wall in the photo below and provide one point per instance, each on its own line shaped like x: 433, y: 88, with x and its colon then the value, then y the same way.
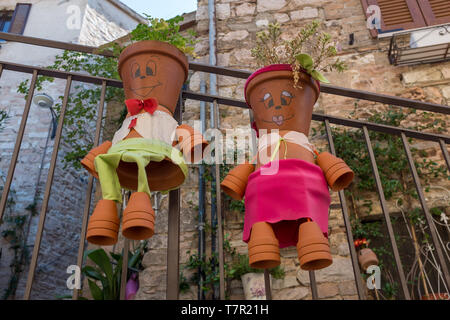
x: 63, y: 222
x: 368, y: 69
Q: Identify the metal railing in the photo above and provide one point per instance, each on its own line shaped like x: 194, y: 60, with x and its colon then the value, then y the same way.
x: 174, y: 196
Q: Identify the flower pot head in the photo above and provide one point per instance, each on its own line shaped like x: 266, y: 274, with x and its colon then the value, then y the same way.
x: 153, y: 69
x: 276, y: 104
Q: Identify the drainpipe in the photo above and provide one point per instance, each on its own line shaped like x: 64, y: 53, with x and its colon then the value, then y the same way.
x: 213, y: 91
x: 201, y: 201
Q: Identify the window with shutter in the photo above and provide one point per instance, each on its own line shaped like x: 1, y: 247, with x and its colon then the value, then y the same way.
x: 396, y: 14
x: 20, y: 18
x: 409, y: 14
x: 435, y: 11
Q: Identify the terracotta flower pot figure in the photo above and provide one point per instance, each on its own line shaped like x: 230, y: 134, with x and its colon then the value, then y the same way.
x: 150, y: 150
x: 286, y: 192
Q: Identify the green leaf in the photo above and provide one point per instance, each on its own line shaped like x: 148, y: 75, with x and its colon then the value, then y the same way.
x: 100, y: 257
x: 305, y: 61
x: 96, y: 292
x: 93, y: 273
x: 134, y: 259
x: 318, y: 76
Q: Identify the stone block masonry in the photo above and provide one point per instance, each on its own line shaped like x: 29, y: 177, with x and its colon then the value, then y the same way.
x: 368, y: 69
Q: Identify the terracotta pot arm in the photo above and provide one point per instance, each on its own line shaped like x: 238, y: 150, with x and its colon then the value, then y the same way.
x: 236, y: 180
x: 88, y: 160
x: 337, y: 173
x: 190, y: 143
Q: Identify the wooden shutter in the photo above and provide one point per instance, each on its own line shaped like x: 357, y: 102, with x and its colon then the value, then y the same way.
x: 397, y: 14
x: 20, y: 18
x: 435, y: 11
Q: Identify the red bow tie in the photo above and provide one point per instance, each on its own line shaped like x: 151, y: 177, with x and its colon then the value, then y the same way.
x: 135, y: 106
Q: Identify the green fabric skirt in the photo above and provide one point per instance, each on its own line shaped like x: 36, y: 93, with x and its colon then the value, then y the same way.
x: 140, y: 151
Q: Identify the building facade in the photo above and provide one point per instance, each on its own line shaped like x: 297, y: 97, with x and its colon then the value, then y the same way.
x: 87, y: 22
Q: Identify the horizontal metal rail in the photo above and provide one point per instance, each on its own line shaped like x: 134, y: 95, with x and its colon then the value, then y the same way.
x: 174, y: 198
x: 243, y: 74
x: 234, y: 102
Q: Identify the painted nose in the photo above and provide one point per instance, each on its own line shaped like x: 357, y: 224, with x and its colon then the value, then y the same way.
x: 142, y: 77
x: 278, y: 107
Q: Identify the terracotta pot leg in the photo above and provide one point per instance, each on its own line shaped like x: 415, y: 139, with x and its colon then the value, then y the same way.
x: 312, y: 247
x: 138, y: 217
x: 103, y: 225
x: 263, y: 247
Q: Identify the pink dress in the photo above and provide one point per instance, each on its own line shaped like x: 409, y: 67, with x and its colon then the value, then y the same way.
x: 298, y: 190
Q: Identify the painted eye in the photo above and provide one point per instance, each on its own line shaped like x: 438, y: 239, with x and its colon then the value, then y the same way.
x: 268, y: 100
x: 150, y: 68
x: 286, y: 98
x: 136, y: 70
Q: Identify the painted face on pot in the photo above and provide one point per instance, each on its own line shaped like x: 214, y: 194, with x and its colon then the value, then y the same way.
x: 280, y: 105
x: 143, y: 75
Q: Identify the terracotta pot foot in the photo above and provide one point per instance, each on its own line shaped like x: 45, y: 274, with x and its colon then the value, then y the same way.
x: 103, y: 225
x: 263, y: 247
x: 138, y: 217
x: 312, y: 247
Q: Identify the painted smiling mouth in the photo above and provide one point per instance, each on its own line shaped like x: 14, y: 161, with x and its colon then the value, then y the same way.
x: 279, y: 120
x: 145, y: 91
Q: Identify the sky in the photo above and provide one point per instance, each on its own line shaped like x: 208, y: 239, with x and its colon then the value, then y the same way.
x: 162, y: 8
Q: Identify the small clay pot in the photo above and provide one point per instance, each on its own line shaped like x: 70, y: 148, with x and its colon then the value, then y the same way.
x: 235, y: 182
x: 153, y: 69
x: 191, y: 143
x: 138, y: 217
x: 276, y: 104
x: 88, y: 160
x: 313, y: 248
x: 436, y: 296
x: 103, y: 226
x: 263, y: 247
x: 366, y: 258
x: 337, y: 173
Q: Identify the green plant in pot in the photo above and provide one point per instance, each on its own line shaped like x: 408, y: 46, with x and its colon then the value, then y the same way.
x: 253, y: 281
x: 151, y: 150
x: 104, y: 275
x: 279, y: 209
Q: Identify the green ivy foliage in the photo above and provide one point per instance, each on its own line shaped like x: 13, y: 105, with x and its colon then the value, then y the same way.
x: 83, y: 102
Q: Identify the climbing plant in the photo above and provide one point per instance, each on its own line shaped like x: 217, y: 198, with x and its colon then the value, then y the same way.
x: 81, y: 113
x: 394, y: 174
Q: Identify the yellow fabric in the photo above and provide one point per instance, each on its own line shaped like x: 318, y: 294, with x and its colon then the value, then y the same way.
x: 140, y: 151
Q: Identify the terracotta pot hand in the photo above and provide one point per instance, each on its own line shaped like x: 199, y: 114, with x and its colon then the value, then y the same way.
x: 190, y: 143
x: 88, y: 160
x: 337, y: 173
x: 235, y: 182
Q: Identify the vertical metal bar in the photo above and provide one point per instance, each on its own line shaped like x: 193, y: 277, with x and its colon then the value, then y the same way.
x: 173, y: 232
x: 173, y: 245
x: 266, y: 272
x: 267, y: 284
x: 87, y: 202
x: 48, y: 187
x: 312, y: 281
x: 219, y: 209
x: 445, y: 152
x: 428, y: 217
x: 387, y: 217
x: 12, y: 165
x: 123, y: 278
x: 348, y: 227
